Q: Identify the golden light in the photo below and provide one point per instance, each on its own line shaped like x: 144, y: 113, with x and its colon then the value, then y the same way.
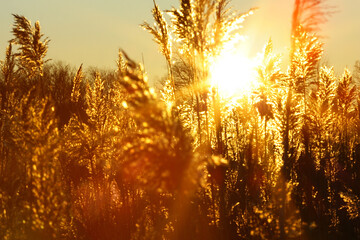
x: 233, y: 74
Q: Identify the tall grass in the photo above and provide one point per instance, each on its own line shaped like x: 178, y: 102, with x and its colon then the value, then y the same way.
x: 100, y: 156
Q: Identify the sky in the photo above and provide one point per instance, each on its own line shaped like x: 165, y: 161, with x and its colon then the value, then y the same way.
x: 92, y: 31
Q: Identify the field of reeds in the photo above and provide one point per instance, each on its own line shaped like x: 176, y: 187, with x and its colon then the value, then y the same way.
x: 102, y: 155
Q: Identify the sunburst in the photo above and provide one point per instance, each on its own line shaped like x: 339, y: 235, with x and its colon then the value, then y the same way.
x: 233, y: 74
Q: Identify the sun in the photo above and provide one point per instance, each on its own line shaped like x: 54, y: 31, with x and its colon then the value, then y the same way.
x: 233, y: 74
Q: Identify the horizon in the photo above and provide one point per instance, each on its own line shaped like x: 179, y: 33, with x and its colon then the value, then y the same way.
x: 92, y: 34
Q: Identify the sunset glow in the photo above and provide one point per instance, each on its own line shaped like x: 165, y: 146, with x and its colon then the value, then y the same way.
x: 179, y: 119
x: 233, y: 74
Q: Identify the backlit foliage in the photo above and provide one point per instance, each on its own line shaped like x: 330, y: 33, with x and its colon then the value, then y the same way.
x: 93, y: 154
x: 32, y: 48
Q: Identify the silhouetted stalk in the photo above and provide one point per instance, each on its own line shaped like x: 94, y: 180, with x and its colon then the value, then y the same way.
x: 265, y: 140
x: 225, y: 150
x: 286, y: 168
x: 170, y: 70
x: 286, y: 139
x: 7, y: 69
x: 218, y: 127
x: 257, y: 146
